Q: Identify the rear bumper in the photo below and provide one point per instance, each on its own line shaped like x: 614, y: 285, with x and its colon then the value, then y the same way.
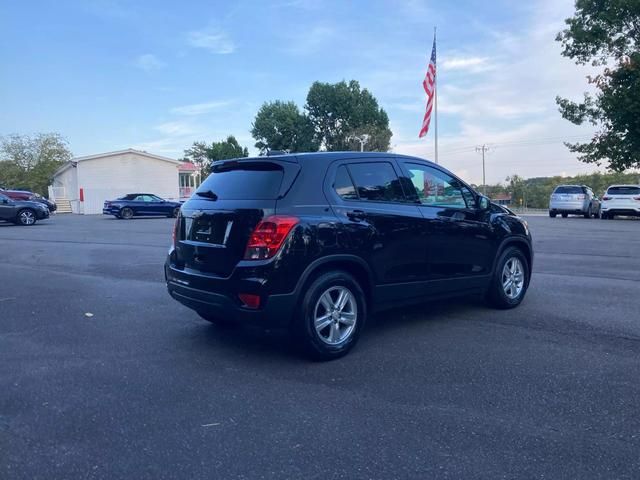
x: 568, y: 207
x: 221, y: 298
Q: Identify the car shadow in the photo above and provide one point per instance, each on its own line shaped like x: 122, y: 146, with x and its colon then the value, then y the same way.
x: 255, y: 345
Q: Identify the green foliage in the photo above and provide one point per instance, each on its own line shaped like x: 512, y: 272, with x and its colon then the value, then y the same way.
x: 334, y: 115
x: 341, y: 111
x: 28, y: 162
x: 607, y: 32
x: 281, y: 126
x: 201, y: 154
x: 535, y: 192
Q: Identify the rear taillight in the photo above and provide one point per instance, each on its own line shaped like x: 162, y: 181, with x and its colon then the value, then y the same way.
x: 268, y: 237
x: 637, y: 198
x: 581, y: 197
x: 250, y: 300
x: 175, y: 231
x: 607, y: 198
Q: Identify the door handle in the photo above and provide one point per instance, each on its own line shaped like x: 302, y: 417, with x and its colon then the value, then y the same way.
x: 356, y: 215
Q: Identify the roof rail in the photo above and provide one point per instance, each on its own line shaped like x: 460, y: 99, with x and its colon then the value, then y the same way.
x: 271, y: 153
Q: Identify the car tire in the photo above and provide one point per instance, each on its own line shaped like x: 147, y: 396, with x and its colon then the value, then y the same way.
x: 331, y: 316
x: 552, y: 214
x: 512, y: 265
x: 565, y: 215
x: 175, y: 212
x: 588, y: 213
x: 26, y: 217
x: 217, y: 320
x: 126, y: 213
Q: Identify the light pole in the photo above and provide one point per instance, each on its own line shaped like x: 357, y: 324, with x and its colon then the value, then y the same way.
x: 483, y: 149
x: 363, y: 139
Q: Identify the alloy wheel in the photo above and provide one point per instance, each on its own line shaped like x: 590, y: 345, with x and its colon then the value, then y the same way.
x: 335, y: 315
x: 512, y: 278
x: 27, y: 217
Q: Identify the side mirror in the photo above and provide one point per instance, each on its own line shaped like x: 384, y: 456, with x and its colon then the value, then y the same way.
x: 483, y: 203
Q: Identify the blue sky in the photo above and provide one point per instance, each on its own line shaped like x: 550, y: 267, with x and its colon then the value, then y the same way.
x: 112, y: 74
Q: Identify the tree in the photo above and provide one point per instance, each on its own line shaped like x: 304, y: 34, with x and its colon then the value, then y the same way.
x: 281, y: 126
x: 201, y: 154
x: 341, y: 111
x: 29, y: 161
x: 606, y: 33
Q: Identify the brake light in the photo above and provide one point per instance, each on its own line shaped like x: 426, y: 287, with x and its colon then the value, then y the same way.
x: 581, y: 197
x: 268, y: 237
x: 175, y: 231
x: 607, y: 198
x: 250, y: 300
x: 637, y: 198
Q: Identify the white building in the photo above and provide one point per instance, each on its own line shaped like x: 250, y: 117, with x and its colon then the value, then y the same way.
x: 86, y: 182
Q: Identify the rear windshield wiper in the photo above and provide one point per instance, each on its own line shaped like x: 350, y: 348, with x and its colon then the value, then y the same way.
x: 208, y: 194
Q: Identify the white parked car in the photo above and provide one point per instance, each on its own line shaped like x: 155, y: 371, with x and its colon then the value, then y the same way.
x: 621, y: 200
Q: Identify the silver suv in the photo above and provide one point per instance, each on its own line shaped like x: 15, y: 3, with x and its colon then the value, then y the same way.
x: 574, y: 200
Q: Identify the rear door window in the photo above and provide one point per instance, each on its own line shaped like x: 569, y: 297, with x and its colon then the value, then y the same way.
x: 376, y: 182
x: 631, y: 190
x: 343, y: 184
x: 245, y: 181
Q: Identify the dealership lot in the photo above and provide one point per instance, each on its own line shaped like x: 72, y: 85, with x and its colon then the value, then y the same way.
x: 145, y: 389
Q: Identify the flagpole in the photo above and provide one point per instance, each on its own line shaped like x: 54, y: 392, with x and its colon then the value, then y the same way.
x: 435, y: 87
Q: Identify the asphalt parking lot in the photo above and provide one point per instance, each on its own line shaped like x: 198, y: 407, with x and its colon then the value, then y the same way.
x: 144, y: 389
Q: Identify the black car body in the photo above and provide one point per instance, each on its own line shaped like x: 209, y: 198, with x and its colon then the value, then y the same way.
x: 260, y: 233
x: 140, y: 204
x: 22, y: 212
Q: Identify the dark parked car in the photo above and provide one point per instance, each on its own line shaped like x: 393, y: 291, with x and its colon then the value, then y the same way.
x: 140, y: 204
x: 27, y: 195
x: 21, y: 212
x: 316, y: 242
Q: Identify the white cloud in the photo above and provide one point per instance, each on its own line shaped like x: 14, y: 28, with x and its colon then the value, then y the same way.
x: 214, y: 40
x: 472, y: 64
x: 200, y: 108
x: 149, y: 62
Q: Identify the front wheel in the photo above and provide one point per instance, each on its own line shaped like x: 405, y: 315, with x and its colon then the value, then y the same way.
x: 331, y: 316
x: 565, y: 215
x: 26, y: 217
x: 510, y: 280
x: 552, y: 214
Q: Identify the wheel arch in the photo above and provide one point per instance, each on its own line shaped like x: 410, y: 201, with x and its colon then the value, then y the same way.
x: 521, y: 244
x: 351, y: 264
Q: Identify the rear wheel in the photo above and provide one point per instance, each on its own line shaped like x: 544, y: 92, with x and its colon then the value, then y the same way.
x: 26, y: 217
x: 510, y: 279
x: 331, y: 316
x: 175, y: 212
x: 588, y: 213
x: 565, y: 215
x: 126, y: 213
x: 552, y: 214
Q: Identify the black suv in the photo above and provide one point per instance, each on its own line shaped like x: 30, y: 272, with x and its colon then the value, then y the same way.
x: 315, y: 242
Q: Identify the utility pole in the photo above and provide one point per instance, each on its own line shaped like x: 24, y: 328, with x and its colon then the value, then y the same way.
x: 483, y: 149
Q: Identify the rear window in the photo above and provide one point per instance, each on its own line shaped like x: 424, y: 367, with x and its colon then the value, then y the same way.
x: 624, y: 191
x: 568, y: 189
x: 248, y: 181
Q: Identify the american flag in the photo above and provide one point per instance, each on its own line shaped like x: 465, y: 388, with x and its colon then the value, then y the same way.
x: 429, y: 86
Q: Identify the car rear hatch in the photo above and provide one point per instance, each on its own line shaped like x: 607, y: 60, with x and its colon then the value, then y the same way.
x: 623, y: 197
x: 568, y: 194
x: 214, y: 226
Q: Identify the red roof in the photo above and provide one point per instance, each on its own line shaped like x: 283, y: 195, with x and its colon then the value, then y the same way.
x: 187, y: 167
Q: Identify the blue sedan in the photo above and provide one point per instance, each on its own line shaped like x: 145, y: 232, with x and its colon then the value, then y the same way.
x: 140, y: 204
